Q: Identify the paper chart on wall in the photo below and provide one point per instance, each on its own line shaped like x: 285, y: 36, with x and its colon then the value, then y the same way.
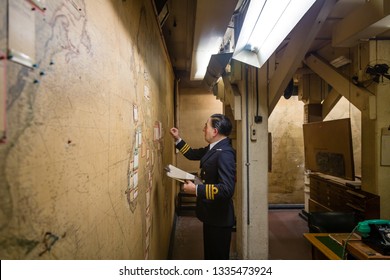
x: 21, y: 32
x: 135, y: 113
x: 157, y: 130
x: 138, y: 138
x: 135, y: 160
x: 146, y: 92
x: 3, y: 91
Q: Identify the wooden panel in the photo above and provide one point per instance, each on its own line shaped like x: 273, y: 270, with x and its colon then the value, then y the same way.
x: 313, y: 113
x: 314, y: 206
x: 328, y: 148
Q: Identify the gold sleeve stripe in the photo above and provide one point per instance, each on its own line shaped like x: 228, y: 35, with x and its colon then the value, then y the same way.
x: 211, y: 190
x: 215, y: 190
x: 185, y: 148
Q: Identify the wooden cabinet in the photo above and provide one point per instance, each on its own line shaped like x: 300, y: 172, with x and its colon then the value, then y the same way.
x: 328, y: 194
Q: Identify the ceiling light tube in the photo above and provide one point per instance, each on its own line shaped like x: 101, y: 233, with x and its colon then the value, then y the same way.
x: 266, y: 25
x: 340, y: 61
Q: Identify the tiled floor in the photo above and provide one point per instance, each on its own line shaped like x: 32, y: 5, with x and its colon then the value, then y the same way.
x: 286, y: 241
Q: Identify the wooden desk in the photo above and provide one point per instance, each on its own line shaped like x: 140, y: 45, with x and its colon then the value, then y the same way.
x: 317, y: 244
x: 355, y: 247
x: 364, y: 252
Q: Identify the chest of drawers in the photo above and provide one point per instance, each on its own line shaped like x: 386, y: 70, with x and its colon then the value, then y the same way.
x: 336, y: 195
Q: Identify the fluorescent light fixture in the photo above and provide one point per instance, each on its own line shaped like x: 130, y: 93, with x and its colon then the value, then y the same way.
x: 266, y: 25
x: 216, y: 69
x: 340, y: 61
x: 211, y: 20
x: 201, y: 57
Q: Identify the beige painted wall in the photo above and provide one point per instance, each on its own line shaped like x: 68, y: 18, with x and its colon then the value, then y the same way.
x: 196, y: 105
x: 81, y: 173
x: 286, y: 180
x: 288, y: 162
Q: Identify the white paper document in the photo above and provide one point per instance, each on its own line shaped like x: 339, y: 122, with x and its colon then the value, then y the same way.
x: 181, y: 175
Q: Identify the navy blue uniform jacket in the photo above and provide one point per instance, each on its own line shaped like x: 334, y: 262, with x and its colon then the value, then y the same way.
x: 214, y: 204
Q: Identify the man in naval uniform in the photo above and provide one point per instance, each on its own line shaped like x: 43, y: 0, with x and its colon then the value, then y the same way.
x: 214, y: 205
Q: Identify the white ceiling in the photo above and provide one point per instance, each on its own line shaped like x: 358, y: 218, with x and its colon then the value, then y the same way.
x: 192, y: 24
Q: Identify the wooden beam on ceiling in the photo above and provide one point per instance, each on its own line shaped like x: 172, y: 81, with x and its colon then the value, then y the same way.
x: 302, y: 38
x: 356, y: 95
x: 329, y: 102
x: 369, y: 20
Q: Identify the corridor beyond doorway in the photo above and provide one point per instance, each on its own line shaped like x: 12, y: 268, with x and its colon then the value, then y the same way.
x: 286, y: 241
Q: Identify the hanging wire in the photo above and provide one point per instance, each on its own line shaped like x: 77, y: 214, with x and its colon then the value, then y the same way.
x: 349, y: 83
x: 344, y: 254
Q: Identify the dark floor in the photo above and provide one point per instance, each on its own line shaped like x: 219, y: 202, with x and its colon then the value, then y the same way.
x: 286, y: 241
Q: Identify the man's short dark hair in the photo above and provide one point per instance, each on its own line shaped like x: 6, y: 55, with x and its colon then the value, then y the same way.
x: 222, y: 123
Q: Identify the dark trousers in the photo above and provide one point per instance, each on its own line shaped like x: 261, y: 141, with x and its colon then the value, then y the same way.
x: 216, y: 242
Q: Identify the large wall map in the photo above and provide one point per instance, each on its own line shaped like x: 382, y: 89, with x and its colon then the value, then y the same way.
x: 81, y: 172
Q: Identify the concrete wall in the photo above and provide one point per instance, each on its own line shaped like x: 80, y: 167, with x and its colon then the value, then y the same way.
x: 81, y: 172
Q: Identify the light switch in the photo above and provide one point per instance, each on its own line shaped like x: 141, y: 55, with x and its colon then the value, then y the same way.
x: 253, y: 133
